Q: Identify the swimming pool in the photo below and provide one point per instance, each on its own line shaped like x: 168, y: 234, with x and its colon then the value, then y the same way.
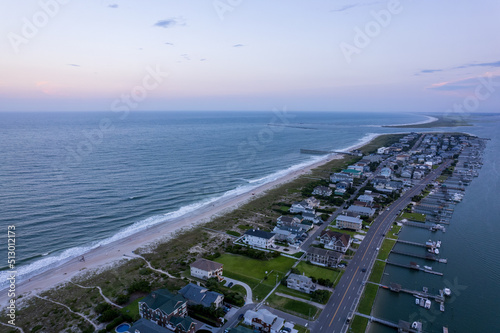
x: 122, y: 328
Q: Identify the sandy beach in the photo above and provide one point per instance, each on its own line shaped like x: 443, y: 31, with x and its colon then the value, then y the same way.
x: 106, y: 255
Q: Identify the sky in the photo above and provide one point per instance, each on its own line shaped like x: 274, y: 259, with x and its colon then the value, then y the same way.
x: 317, y: 55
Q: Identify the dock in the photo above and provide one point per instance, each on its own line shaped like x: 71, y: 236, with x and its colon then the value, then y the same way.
x: 433, y: 227
x: 428, y: 256
x: 401, y: 326
x: 411, y: 243
x: 414, y: 266
x: 395, y: 287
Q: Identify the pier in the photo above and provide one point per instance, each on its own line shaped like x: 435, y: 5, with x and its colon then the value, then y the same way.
x: 414, y: 266
x: 394, y: 287
x: 401, y: 326
x: 428, y: 256
x: 411, y: 243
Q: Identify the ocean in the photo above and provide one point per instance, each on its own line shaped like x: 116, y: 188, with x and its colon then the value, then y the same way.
x: 71, y: 181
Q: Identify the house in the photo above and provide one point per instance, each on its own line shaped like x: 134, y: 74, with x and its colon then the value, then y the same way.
x: 300, y: 283
x: 146, y: 326
x: 340, y: 177
x: 323, y: 257
x: 263, y: 320
x: 167, y: 310
x: 206, y: 269
x: 322, y: 191
x: 385, y: 172
x: 366, y: 198
x: 259, y: 238
x: 356, y: 167
x: 285, y: 235
x: 312, y: 202
x: 288, y: 220
x: 349, y: 222
x: 335, y: 240
x: 362, y: 211
x: 353, y: 173
x: 310, y: 217
x: 197, y: 295
x: 301, y: 207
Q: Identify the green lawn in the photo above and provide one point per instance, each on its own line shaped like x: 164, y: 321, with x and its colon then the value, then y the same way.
x: 413, y: 217
x: 320, y: 272
x: 377, y: 271
x: 366, y: 303
x: 253, y: 272
x: 301, y: 329
x: 386, y: 248
x: 358, y: 324
x: 132, y: 309
x: 347, y: 232
x: 295, y: 293
x: 294, y: 307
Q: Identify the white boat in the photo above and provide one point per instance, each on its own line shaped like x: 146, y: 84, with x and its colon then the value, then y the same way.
x: 441, y: 307
x: 414, y: 324
x: 436, y: 251
x: 438, y: 244
x: 429, y: 268
x: 427, y: 304
x: 417, y: 301
x: 447, y: 291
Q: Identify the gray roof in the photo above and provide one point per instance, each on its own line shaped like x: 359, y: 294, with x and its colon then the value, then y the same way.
x: 259, y: 233
x: 199, y: 295
x: 146, y: 326
x: 298, y: 277
x: 323, y: 252
x: 360, y: 209
x: 206, y: 265
x: 349, y: 219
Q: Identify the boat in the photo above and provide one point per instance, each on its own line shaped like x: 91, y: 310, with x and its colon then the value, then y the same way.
x: 438, y: 244
x: 447, y: 291
x: 436, y: 251
x: 441, y: 307
x: 417, y: 301
x: 427, y: 304
x: 429, y: 268
x: 414, y: 324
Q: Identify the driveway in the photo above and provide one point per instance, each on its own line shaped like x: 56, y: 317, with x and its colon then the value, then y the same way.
x: 249, y: 297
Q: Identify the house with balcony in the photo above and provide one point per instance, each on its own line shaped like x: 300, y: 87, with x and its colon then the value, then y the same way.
x: 206, y: 269
x: 259, y: 238
x: 301, y: 283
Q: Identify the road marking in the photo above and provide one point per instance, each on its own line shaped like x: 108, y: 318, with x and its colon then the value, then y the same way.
x: 338, y: 307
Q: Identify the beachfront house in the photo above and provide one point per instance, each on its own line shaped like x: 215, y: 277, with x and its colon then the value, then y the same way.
x: 197, y: 295
x: 312, y: 202
x: 349, y: 222
x: 263, y: 320
x: 340, y: 177
x: 288, y: 220
x: 146, y: 326
x: 167, y: 310
x: 323, y: 191
x: 301, y: 207
x: 259, y: 238
x: 323, y: 257
x: 361, y: 211
x: 301, y: 283
x: 335, y: 240
x: 206, y: 269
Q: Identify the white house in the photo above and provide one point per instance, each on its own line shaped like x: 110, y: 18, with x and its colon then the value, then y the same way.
x: 206, y: 269
x: 263, y: 320
x: 366, y: 198
x: 300, y: 283
x: 362, y: 211
x: 323, y: 191
x: 349, y: 222
x: 301, y: 207
x: 259, y: 238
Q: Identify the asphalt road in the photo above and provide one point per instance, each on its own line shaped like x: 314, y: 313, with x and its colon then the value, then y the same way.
x: 334, y: 316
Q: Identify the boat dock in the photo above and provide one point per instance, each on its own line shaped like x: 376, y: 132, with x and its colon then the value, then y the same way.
x: 401, y: 326
x: 411, y: 243
x: 394, y: 287
x: 433, y: 227
x: 413, y: 266
x: 428, y: 256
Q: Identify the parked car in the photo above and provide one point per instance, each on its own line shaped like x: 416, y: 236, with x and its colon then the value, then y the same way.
x: 230, y: 285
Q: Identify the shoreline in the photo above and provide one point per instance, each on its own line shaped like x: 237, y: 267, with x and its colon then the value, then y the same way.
x: 429, y: 120
x: 107, y: 255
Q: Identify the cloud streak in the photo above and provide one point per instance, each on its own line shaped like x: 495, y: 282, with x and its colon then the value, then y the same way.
x: 480, y: 64
x: 169, y: 23
x: 465, y: 83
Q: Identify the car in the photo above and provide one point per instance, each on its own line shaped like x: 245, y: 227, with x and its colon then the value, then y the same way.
x: 226, y: 330
x: 230, y: 285
x: 240, y: 317
x: 363, y: 270
x: 377, y: 249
